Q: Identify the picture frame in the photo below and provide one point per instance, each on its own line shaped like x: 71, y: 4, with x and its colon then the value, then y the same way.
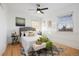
x: 20, y: 21
x: 65, y: 23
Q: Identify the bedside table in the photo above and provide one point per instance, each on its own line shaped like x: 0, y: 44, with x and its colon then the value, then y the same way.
x: 14, y: 39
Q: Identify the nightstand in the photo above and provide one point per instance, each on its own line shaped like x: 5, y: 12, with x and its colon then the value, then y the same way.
x: 15, y: 38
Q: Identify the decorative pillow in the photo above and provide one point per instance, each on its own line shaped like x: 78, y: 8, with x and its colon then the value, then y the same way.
x: 26, y: 33
x: 31, y: 33
x: 22, y: 33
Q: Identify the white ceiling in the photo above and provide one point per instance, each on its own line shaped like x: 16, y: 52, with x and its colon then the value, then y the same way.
x: 24, y: 7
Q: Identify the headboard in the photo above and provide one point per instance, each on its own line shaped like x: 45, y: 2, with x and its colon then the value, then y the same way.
x: 26, y: 29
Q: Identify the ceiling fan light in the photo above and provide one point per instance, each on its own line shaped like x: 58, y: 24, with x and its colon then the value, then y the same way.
x: 38, y: 11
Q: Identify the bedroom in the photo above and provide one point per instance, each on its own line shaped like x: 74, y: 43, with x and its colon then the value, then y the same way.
x: 47, y: 23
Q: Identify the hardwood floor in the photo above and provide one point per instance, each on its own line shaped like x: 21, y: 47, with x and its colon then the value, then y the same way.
x: 14, y: 50
x: 67, y: 51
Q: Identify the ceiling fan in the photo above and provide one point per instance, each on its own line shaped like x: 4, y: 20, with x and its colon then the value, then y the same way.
x: 40, y: 10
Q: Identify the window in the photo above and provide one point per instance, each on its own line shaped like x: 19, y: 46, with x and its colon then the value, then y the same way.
x: 37, y: 25
x: 65, y: 23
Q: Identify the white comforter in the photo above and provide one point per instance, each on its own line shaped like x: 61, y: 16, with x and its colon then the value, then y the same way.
x: 28, y: 41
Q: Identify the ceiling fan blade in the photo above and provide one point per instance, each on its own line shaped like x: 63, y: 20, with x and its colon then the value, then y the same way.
x: 41, y: 12
x: 31, y: 9
x: 43, y: 8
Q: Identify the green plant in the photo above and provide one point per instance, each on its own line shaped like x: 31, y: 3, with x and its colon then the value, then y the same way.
x: 44, y: 38
x: 49, y: 44
x: 38, y: 42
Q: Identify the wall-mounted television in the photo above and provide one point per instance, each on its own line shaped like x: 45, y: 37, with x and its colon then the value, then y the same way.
x: 20, y: 21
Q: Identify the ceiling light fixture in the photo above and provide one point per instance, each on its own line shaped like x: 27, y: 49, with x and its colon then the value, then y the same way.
x: 38, y: 12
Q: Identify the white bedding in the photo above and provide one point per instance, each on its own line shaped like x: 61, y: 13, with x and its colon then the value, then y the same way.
x: 28, y: 41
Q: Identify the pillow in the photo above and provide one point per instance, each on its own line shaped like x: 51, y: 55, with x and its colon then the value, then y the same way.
x: 31, y: 33
x: 26, y: 33
x: 23, y: 33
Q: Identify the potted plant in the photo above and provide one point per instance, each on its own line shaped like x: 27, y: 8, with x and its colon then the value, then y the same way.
x: 42, y: 39
x: 38, y: 41
x: 49, y: 44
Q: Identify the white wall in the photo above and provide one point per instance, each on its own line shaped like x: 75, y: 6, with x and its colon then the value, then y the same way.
x: 67, y: 38
x: 3, y: 30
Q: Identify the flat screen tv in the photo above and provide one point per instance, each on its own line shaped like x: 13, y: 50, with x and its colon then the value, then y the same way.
x: 20, y: 21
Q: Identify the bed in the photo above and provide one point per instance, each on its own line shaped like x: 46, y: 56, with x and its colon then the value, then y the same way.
x: 28, y: 41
